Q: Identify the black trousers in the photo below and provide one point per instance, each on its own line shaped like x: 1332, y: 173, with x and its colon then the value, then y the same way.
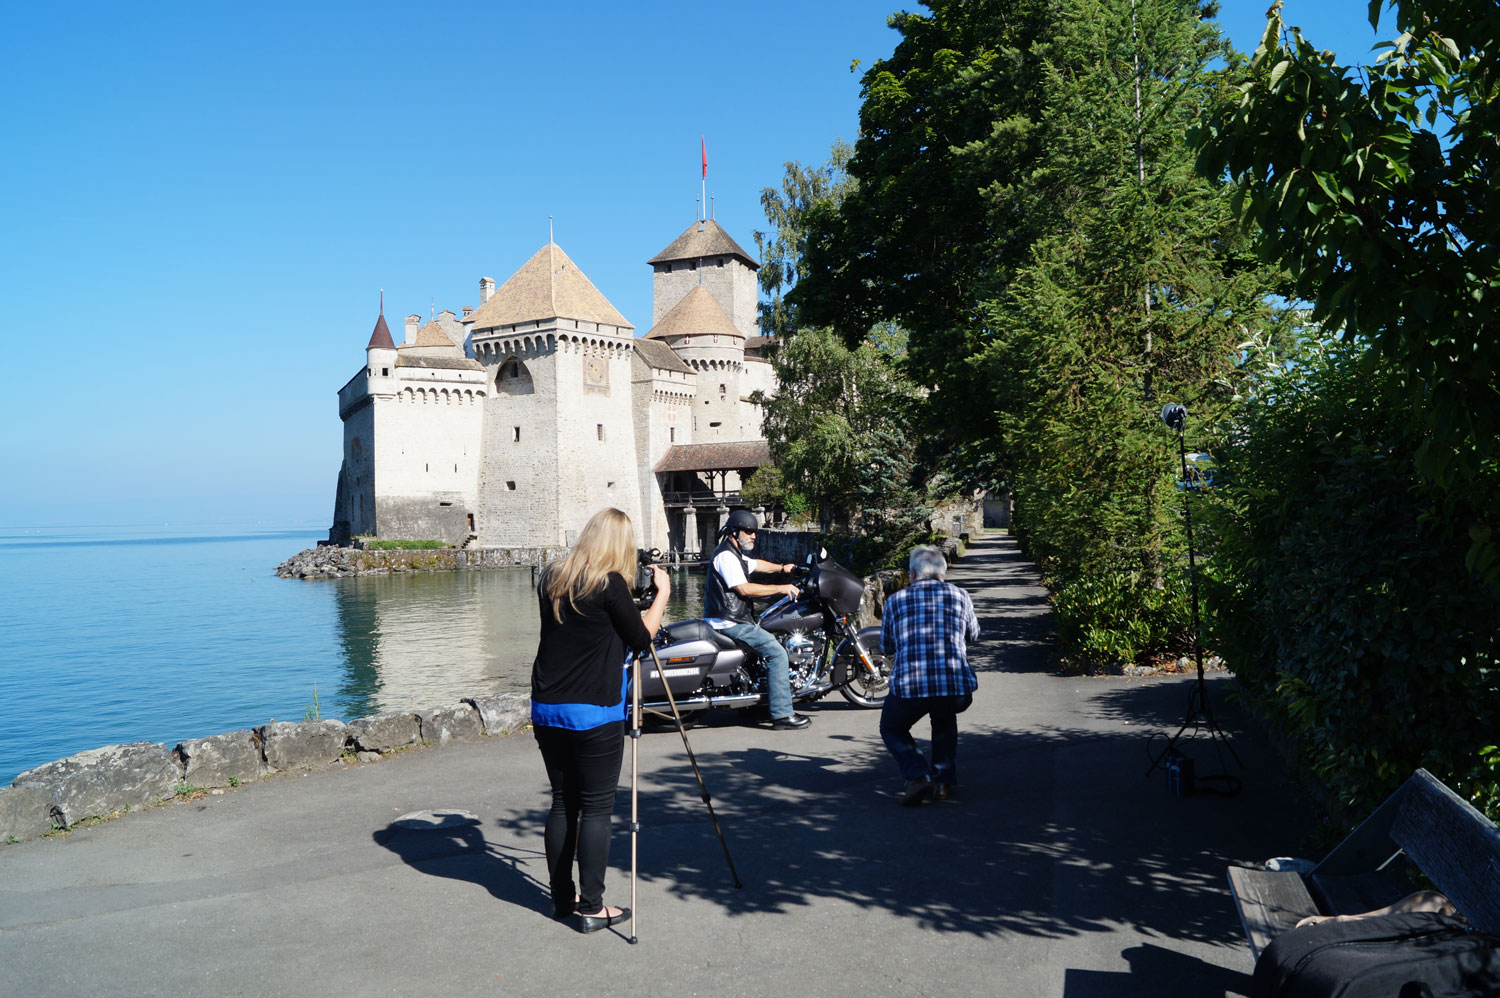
x: 584, y: 768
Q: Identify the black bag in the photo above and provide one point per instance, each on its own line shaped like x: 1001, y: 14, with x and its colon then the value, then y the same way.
x: 1411, y: 955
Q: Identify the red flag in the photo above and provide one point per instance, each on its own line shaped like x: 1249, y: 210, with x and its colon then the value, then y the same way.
x: 705, y: 155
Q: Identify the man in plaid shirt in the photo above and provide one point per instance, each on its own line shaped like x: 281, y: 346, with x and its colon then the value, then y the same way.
x: 926, y: 627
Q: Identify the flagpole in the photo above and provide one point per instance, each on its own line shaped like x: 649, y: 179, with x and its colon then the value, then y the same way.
x: 703, y: 203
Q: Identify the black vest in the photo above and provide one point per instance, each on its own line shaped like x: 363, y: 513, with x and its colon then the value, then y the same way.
x: 721, y: 601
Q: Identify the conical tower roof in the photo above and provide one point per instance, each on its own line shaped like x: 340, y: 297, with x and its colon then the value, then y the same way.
x: 703, y: 238
x: 547, y: 286
x: 697, y: 313
x: 381, y: 337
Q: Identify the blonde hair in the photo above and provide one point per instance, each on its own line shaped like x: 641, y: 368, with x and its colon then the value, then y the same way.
x: 606, y: 547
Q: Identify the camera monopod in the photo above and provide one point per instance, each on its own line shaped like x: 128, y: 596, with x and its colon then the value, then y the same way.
x: 635, y: 740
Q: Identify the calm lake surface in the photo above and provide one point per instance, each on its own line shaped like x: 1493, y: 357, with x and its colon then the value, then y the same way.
x: 121, y: 634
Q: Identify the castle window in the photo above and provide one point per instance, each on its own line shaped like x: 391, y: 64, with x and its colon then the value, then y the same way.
x: 720, y: 262
x: 609, y: 485
x: 426, y: 467
x: 693, y: 265
x: 511, y: 486
x: 385, y: 372
x: 513, y: 378
x: 671, y: 434
x: 599, y: 429
x: 515, y: 434
x: 715, y: 423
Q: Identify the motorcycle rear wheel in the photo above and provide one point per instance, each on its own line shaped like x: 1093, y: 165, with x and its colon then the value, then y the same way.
x: 863, y: 689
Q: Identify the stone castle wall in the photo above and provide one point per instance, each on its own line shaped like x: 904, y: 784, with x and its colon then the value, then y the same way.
x: 731, y: 282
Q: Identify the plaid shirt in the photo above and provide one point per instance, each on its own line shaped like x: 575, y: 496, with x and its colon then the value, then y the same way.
x: 926, y: 626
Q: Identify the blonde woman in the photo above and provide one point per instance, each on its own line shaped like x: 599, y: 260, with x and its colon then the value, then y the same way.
x: 578, y: 704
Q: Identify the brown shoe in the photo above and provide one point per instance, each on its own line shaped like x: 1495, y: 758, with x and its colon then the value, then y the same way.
x: 943, y: 791
x: 916, y: 792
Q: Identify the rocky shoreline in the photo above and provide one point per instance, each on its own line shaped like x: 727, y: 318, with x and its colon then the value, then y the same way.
x: 332, y: 562
x: 110, y: 781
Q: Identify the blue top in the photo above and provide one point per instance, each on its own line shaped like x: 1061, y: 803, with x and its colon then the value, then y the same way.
x: 927, y: 626
x: 582, y: 716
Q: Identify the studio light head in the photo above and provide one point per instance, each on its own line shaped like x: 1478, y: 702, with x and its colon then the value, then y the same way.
x: 1175, y: 416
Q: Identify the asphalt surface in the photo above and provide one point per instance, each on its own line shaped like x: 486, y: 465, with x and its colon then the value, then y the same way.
x: 1062, y: 869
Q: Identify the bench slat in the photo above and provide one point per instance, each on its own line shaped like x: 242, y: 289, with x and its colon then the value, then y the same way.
x: 1269, y: 902
x: 1454, y: 845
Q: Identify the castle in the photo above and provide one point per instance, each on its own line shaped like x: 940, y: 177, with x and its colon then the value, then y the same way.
x: 513, y: 424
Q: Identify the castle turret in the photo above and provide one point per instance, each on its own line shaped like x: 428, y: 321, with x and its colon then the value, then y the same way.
x: 380, y: 354
x: 699, y: 332
x: 705, y: 256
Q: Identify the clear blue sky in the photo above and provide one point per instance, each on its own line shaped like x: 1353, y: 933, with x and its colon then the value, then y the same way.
x: 201, y: 203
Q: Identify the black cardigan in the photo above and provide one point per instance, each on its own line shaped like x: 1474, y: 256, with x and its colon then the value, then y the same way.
x: 579, y: 659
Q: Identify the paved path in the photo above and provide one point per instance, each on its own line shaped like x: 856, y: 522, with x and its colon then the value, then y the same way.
x: 1061, y: 871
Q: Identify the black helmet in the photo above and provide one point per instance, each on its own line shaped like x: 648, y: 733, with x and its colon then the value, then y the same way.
x: 740, y: 519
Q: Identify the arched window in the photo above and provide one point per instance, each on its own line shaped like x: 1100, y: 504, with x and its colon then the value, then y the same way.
x: 513, y: 378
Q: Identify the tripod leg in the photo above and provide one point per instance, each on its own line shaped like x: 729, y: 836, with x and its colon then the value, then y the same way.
x: 635, y: 771
x: 707, y: 801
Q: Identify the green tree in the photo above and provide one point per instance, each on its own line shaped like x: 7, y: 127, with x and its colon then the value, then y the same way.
x: 838, y: 430
x: 783, y: 250
x: 1027, y: 210
x: 1376, y: 188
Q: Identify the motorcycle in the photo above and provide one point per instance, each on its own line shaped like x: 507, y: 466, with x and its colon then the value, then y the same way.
x: 703, y: 667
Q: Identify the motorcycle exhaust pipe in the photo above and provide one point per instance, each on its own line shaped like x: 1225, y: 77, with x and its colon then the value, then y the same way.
x: 740, y: 700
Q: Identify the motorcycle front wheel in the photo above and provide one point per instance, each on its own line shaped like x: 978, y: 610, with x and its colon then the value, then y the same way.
x: 864, y: 689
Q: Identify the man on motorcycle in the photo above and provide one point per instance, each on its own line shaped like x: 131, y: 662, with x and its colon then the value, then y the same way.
x: 727, y: 597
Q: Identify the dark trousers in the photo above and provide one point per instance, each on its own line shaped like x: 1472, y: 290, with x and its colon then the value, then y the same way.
x: 897, y: 717
x: 584, y: 767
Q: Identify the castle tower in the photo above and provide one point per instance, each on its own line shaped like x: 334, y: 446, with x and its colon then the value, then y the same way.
x: 704, y: 255
x: 559, y: 439
x: 699, y: 332
x: 411, y: 440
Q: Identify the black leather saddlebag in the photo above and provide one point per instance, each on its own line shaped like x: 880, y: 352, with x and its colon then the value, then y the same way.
x: 1411, y: 955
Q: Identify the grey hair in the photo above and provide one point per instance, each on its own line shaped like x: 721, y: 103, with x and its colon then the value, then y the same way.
x: 926, y: 562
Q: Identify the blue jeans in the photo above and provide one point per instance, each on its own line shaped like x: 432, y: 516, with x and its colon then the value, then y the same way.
x: 773, y: 656
x: 897, y: 717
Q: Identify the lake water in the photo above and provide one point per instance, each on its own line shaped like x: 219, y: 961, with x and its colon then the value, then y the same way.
x: 122, y: 634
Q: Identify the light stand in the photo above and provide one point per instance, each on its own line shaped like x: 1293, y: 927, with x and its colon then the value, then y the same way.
x: 1199, y: 716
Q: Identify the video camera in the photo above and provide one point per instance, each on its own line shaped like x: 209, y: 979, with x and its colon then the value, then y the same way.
x: 643, y: 588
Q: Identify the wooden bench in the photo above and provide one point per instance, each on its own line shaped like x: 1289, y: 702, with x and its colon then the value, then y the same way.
x: 1423, y: 827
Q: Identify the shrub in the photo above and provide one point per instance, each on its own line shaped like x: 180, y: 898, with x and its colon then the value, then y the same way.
x: 1338, y: 590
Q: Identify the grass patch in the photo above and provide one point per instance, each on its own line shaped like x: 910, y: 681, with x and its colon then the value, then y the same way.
x: 406, y: 545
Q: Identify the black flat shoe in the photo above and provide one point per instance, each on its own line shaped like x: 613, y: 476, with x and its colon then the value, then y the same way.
x: 593, y: 923
x: 791, y: 723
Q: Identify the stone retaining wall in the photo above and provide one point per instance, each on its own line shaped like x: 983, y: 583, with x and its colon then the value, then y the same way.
x: 119, y: 778
x: 332, y: 562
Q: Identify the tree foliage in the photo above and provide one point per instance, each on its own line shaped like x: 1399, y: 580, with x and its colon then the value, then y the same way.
x: 783, y: 250
x: 839, y: 430
x: 1026, y: 209
x: 1336, y: 594
x: 1376, y: 188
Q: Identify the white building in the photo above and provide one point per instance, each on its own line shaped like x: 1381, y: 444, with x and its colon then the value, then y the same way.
x: 512, y: 425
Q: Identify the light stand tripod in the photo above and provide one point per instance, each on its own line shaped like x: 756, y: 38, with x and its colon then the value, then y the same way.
x: 1199, y: 716
x: 635, y: 740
